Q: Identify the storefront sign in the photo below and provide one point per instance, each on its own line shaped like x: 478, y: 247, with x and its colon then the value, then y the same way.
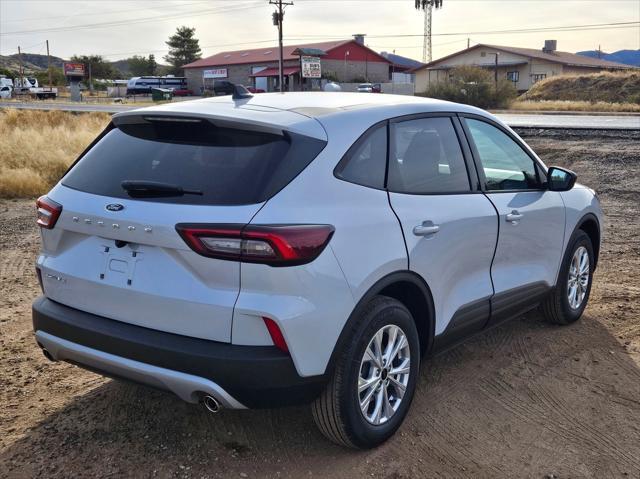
x: 217, y: 73
x: 311, y: 67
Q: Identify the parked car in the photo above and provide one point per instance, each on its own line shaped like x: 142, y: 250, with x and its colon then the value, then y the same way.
x: 370, y: 88
x: 253, y: 89
x: 5, y: 92
x: 182, y: 92
x: 286, y: 249
x: 223, y: 87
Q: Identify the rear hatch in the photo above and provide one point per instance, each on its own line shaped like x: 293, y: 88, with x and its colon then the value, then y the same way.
x: 115, y: 252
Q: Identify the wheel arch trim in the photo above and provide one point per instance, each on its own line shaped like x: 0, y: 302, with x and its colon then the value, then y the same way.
x: 397, y: 277
x: 587, y: 218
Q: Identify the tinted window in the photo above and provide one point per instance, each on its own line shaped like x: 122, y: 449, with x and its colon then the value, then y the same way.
x: 366, y: 160
x: 506, y: 166
x: 229, y: 166
x: 426, y: 158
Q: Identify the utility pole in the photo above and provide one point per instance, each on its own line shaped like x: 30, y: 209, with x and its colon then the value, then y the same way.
x: 496, y: 73
x: 49, y: 63
x: 468, y: 43
x: 495, y: 69
x: 278, y: 16
x: 21, y: 70
x: 90, y: 80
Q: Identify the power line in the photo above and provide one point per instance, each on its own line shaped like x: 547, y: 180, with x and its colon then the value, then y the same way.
x: 93, y: 14
x: 116, y: 23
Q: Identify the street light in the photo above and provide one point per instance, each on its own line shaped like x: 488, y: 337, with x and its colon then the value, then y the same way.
x: 346, y: 54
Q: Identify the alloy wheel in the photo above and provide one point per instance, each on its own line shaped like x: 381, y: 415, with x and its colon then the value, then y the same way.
x: 384, y: 374
x: 578, y: 281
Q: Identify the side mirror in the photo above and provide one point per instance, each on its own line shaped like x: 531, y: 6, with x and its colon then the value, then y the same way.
x: 560, y: 179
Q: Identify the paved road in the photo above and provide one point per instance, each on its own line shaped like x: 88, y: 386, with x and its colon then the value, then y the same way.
x: 568, y: 121
x: 572, y: 121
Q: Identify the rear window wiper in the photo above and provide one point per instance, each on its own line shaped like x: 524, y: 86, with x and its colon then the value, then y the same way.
x: 155, y: 189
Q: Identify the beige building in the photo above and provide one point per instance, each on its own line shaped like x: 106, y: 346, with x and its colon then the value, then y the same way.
x: 523, y: 66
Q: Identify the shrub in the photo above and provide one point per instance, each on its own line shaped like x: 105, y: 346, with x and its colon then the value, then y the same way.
x: 330, y: 76
x: 473, y: 86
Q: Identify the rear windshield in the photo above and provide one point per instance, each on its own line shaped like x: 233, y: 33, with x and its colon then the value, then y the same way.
x: 229, y: 166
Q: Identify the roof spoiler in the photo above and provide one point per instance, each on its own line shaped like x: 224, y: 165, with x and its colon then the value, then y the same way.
x: 240, y: 93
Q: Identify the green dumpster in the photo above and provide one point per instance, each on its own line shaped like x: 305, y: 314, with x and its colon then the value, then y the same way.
x: 161, y: 94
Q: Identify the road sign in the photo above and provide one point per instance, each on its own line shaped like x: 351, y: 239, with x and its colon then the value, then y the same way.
x: 311, y: 67
x: 73, y: 69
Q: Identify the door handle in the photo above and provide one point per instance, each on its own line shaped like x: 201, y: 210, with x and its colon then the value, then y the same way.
x: 426, y: 228
x: 514, y: 217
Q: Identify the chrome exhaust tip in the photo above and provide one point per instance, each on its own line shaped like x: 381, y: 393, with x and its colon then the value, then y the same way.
x: 48, y: 355
x: 211, y: 404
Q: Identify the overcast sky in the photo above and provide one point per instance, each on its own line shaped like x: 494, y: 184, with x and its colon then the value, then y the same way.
x: 120, y: 28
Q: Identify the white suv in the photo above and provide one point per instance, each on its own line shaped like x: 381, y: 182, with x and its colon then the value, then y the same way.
x: 273, y: 250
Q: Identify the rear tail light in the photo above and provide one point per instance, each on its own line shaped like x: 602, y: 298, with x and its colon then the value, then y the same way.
x: 276, y: 335
x: 48, y: 212
x: 281, y: 245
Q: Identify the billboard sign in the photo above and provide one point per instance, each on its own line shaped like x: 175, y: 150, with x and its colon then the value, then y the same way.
x: 311, y: 67
x: 216, y: 73
x: 73, y: 69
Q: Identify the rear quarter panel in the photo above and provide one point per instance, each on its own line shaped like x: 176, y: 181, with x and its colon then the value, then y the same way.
x: 367, y: 245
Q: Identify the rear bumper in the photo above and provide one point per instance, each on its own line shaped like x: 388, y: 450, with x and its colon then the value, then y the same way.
x: 237, y: 376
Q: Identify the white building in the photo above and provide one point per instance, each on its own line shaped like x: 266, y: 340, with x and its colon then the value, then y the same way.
x: 523, y: 66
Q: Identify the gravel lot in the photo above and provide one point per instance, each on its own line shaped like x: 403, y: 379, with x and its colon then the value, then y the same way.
x: 524, y: 400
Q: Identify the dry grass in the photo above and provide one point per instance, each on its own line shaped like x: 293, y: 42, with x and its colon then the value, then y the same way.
x: 558, y: 105
x: 622, y: 87
x: 37, y: 147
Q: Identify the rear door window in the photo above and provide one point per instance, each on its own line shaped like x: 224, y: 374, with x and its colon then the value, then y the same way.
x: 425, y: 158
x: 229, y: 166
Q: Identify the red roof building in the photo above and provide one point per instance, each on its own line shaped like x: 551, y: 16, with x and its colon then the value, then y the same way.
x: 343, y: 60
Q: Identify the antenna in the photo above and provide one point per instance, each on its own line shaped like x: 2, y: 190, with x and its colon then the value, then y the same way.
x: 427, y: 6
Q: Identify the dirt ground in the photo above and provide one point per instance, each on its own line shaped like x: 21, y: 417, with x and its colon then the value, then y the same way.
x: 524, y: 400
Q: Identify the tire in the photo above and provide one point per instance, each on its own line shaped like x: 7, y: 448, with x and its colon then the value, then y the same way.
x: 557, y: 307
x: 337, y: 411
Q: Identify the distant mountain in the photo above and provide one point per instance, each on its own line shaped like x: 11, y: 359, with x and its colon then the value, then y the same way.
x: 34, y: 63
x: 628, y: 57
x: 31, y: 62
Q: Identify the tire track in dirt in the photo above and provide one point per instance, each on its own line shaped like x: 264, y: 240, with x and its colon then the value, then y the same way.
x: 559, y: 419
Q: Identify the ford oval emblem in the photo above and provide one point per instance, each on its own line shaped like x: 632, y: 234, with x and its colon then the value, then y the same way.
x: 114, y: 207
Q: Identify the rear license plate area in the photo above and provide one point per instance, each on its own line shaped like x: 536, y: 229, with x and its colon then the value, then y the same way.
x: 118, y: 265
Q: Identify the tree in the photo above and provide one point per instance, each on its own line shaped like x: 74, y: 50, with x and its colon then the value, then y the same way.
x: 100, y: 68
x: 8, y: 72
x: 422, y: 4
x: 141, y: 66
x: 57, y: 77
x: 183, y: 48
x: 152, y: 65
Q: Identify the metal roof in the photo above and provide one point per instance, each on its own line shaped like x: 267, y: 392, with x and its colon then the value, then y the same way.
x: 262, y: 55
